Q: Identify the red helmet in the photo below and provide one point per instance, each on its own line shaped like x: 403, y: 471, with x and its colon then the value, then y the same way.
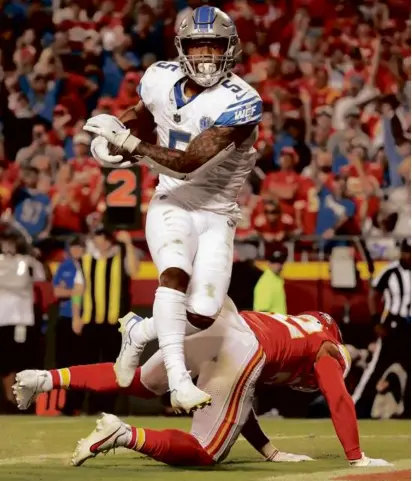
x: 329, y: 324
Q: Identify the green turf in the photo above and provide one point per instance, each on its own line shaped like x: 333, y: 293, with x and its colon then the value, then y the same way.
x: 38, y: 449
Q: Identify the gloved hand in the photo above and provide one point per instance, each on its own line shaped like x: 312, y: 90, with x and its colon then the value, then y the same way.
x: 364, y: 461
x: 100, y: 151
x: 280, y: 457
x: 110, y: 127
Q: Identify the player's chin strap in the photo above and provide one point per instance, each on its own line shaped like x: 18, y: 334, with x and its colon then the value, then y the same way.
x: 213, y: 162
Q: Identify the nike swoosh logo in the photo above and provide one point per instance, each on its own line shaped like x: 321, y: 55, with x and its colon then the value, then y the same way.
x: 94, y: 447
x: 240, y: 97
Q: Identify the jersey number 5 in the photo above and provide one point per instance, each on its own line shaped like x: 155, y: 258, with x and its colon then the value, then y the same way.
x: 307, y: 324
x: 176, y: 136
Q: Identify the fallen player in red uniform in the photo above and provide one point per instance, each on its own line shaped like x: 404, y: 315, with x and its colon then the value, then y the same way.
x: 238, y: 351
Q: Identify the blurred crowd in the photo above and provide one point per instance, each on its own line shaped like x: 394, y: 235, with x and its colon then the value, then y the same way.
x: 334, y: 143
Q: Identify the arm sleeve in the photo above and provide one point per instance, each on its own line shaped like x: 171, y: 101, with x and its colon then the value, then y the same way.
x: 253, y: 433
x: 329, y: 376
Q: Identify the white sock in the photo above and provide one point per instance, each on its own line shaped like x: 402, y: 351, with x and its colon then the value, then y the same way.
x: 169, y: 312
x: 145, y: 331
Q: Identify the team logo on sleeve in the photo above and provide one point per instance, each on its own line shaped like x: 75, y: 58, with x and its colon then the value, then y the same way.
x: 205, y: 123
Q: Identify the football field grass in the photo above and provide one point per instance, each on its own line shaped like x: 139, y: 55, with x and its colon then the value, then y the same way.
x: 39, y: 449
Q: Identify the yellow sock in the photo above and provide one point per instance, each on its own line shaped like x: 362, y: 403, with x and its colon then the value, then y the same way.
x: 64, y: 377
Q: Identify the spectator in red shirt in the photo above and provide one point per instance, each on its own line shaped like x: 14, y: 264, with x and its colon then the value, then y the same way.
x: 127, y: 96
x: 82, y: 161
x: 283, y: 185
x: 61, y: 125
x: 322, y: 129
x: 360, y: 172
x: 247, y: 203
x: 273, y: 80
x: 306, y: 206
x: 6, y: 188
x: 363, y: 181
x: 67, y: 199
x: 266, y: 138
x: 105, y: 105
x: 273, y: 225
x: 320, y: 91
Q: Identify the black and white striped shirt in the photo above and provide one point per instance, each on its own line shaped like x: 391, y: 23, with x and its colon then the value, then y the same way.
x: 395, y: 283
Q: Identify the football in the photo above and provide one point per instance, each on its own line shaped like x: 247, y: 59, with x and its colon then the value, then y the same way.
x: 142, y: 130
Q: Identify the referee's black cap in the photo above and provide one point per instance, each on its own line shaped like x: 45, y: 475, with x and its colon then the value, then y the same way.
x: 279, y: 254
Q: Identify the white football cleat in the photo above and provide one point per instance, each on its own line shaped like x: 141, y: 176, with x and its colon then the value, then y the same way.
x: 187, y: 397
x: 29, y: 384
x: 109, y: 429
x: 364, y: 461
x: 128, y: 359
x: 281, y: 457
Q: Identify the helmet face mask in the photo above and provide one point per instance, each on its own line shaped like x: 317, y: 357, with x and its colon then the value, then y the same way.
x: 211, y: 31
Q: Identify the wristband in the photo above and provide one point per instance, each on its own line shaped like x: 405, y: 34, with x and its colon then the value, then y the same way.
x: 131, y: 143
x: 269, y: 451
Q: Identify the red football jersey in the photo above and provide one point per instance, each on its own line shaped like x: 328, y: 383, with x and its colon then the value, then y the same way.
x: 307, y: 205
x: 291, y: 344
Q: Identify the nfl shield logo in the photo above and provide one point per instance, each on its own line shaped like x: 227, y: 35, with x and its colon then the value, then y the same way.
x: 177, y: 118
x: 205, y: 123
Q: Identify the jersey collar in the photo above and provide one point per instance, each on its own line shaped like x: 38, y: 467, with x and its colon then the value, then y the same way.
x: 180, y: 98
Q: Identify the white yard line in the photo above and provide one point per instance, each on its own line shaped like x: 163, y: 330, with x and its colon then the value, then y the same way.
x: 400, y: 465
x: 40, y: 458
x: 333, y: 436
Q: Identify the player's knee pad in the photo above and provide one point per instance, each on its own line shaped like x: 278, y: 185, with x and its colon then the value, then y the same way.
x: 204, y: 305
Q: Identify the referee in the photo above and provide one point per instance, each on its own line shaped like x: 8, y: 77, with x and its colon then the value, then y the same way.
x: 393, y: 327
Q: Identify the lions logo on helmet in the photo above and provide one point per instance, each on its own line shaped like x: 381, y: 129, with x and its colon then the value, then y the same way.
x: 210, y: 25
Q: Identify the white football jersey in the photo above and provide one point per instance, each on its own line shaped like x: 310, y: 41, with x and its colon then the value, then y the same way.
x: 229, y: 103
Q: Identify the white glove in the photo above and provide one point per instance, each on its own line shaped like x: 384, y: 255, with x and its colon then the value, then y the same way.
x: 280, y: 457
x: 107, y: 122
x: 100, y: 151
x: 110, y: 127
x: 364, y: 461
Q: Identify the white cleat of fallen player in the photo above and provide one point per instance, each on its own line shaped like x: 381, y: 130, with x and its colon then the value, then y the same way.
x: 110, y: 433
x: 365, y: 462
x: 281, y: 457
x: 29, y: 384
x: 186, y: 397
x: 130, y: 351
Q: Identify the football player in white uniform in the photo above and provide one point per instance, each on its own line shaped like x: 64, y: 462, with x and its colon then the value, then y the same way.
x: 206, y: 121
